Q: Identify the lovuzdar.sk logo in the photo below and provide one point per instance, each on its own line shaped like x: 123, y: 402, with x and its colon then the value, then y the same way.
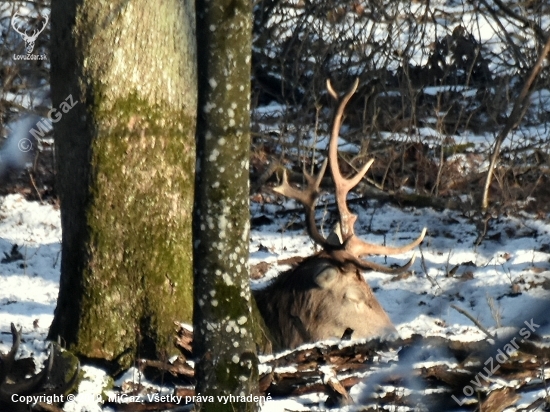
x: 29, y: 36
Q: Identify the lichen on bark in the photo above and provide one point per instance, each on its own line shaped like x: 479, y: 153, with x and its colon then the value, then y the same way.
x: 224, y: 328
x: 126, y: 156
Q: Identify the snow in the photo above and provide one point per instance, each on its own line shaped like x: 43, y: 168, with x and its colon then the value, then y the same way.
x: 427, y: 302
x: 29, y: 287
x: 503, y: 282
x: 418, y: 304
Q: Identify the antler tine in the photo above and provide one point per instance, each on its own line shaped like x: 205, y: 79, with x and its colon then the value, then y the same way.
x: 308, y: 198
x: 368, y: 265
x: 341, y: 184
x: 36, y: 32
x: 7, y: 360
x: 359, y: 247
x: 45, y: 22
x: 331, y: 90
x: 384, y: 269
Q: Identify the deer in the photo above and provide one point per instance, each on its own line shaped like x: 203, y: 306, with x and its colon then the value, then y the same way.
x: 326, y: 295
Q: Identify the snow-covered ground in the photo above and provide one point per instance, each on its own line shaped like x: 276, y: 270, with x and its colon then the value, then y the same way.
x: 502, y: 283
x: 421, y: 303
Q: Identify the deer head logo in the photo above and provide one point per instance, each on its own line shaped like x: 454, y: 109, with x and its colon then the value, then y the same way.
x: 28, y: 39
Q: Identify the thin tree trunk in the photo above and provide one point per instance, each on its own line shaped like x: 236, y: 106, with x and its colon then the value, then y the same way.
x: 126, y: 160
x: 223, y: 322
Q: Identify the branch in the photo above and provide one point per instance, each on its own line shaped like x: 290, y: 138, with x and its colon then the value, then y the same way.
x: 520, y: 106
x: 536, y: 28
x: 474, y: 320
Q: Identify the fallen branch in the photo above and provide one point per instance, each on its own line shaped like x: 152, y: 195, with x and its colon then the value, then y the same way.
x: 474, y: 320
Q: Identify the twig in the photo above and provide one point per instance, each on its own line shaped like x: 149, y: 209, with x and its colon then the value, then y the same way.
x: 425, y: 268
x: 482, y: 226
x: 520, y: 106
x: 474, y: 320
x: 274, y: 165
x: 35, y: 188
x: 530, y: 23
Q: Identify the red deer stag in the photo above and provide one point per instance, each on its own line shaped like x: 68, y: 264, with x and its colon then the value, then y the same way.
x: 326, y: 296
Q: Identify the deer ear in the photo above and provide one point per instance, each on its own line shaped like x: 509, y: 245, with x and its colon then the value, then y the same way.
x: 327, y: 277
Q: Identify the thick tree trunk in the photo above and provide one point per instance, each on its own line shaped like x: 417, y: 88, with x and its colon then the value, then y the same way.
x: 223, y: 323
x: 126, y: 160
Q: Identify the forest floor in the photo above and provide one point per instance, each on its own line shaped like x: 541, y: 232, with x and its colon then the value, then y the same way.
x: 502, y: 283
x: 480, y: 283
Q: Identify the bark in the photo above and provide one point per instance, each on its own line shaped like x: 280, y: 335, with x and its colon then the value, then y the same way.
x: 125, y: 168
x: 223, y: 323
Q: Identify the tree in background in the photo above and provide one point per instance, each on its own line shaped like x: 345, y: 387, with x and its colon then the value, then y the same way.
x: 223, y: 322
x: 125, y: 167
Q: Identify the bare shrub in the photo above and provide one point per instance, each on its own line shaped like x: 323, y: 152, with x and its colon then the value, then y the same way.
x: 431, y: 78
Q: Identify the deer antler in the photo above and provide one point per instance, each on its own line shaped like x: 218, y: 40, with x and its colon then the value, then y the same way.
x: 342, y: 185
x: 355, y: 246
x: 40, y: 383
x: 37, y: 32
x: 308, y: 198
x: 350, y: 248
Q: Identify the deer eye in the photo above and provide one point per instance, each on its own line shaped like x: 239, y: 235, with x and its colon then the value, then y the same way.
x: 327, y: 277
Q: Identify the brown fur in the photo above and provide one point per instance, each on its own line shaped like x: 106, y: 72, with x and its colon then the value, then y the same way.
x: 321, y: 299
x: 326, y: 296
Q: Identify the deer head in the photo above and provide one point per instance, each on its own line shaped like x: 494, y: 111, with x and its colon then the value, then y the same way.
x: 326, y: 296
x: 28, y: 39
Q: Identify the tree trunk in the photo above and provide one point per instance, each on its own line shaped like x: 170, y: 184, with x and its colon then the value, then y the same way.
x: 223, y: 324
x: 125, y: 168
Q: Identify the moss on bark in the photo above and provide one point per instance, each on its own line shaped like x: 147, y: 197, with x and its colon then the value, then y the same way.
x: 126, y: 160
x: 139, y: 228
